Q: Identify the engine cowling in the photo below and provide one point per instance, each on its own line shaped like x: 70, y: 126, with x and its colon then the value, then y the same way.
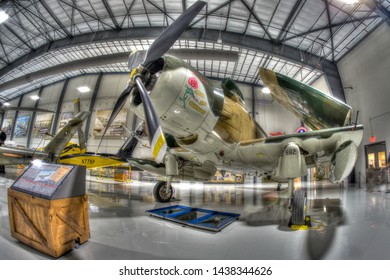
x: 343, y: 161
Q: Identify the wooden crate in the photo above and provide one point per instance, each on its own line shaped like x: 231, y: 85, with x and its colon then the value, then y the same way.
x: 51, y: 226
x: 122, y: 175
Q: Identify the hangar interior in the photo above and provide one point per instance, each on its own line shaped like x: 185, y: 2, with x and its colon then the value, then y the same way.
x: 51, y: 48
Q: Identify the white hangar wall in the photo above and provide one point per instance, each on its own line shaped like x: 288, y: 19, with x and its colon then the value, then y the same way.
x: 366, y: 70
x: 322, y: 84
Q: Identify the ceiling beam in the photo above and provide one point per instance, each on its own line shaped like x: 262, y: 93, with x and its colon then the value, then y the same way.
x: 379, y: 9
x: 17, y: 36
x: 288, y: 21
x: 330, y: 28
x: 91, y: 62
x: 51, y: 13
x: 194, y: 34
x: 111, y: 14
x: 208, y: 13
x: 161, y: 9
x: 127, y: 13
x: 258, y: 20
x: 333, y: 25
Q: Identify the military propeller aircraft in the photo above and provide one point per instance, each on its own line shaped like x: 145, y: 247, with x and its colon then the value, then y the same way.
x: 77, y: 154
x: 50, y: 153
x: 60, y: 149
x: 195, y: 128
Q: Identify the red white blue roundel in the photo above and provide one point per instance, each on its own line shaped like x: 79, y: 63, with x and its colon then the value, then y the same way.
x: 301, y: 129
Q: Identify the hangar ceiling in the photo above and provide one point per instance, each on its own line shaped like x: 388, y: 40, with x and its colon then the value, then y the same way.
x: 45, y: 41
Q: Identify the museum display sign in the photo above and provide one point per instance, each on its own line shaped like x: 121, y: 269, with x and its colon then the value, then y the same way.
x: 48, y: 208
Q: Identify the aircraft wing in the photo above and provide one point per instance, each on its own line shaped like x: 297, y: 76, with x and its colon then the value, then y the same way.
x: 335, y: 145
x: 315, y: 108
x: 90, y: 160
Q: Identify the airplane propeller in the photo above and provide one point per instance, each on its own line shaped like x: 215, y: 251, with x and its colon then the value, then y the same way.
x: 159, y: 47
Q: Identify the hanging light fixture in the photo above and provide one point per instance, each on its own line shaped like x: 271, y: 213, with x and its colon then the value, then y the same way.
x: 266, y: 90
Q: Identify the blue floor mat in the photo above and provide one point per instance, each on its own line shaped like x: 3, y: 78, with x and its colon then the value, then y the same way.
x: 195, y: 217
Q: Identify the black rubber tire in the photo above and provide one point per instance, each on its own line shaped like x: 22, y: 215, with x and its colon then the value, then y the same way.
x: 159, y: 193
x: 298, y: 212
x: 3, y: 137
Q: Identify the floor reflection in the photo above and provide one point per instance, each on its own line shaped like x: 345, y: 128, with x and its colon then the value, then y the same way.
x: 258, y: 206
x: 347, y: 223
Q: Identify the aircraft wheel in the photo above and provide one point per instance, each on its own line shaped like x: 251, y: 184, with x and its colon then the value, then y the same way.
x: 299, y: 207
x: 3, y: 137
x: 161, y: 192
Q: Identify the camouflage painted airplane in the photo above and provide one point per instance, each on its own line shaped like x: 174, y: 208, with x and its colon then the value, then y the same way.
x: 60, y: 149
x: 195, y: 128
x: 50, y: 153
x: 77, y: 154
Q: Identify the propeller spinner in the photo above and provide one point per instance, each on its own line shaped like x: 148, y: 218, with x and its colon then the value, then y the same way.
x: 159, y: 47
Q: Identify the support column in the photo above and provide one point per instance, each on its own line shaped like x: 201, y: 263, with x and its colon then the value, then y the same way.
x: 58, y: 111
x: 16, y: 118
x: 2, y: 115
x: 253, y: 102
x: 32, y: 122
x: 333, y: 76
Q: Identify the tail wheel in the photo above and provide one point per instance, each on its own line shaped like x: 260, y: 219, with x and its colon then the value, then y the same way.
x: 161, y: 192
x: 299, y: 207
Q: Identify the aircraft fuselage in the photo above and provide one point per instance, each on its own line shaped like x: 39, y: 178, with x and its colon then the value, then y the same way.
x: 208, y: 122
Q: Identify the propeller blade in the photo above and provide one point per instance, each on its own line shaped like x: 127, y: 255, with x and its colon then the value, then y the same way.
x: 155, y: 133
x: 166, y: 40
x: 135, y: 59
x: 118, y: 106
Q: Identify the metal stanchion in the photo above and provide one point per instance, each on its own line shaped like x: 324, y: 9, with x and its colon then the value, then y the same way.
x: 360, y: 179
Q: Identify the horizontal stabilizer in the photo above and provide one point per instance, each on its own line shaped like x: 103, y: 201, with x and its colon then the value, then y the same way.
x: 315, y: 108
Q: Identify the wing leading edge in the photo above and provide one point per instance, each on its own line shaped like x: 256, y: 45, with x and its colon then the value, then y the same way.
x: 315, y: 108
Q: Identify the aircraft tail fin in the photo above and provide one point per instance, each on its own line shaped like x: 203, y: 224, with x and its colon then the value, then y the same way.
x: 315, y: 108
x: 80, y: 132
x: 60, y: 140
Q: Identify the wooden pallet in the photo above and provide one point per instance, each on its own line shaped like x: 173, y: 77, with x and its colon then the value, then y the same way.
x: 53, y: 227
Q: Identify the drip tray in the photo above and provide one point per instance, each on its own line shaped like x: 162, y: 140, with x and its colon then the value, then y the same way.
x: 195, y: 217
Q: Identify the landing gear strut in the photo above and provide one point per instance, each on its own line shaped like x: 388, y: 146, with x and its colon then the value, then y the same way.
x: 163, y: 191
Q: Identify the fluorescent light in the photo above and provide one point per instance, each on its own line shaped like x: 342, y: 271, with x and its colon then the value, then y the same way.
x: 83, y: 89
x: 6, y: 104
x: 3, y: 16
x: 37, y: 162
x: 34, y: 97
x: 266, y: 90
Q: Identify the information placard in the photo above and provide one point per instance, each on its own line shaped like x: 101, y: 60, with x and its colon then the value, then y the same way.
x: 42, y: 180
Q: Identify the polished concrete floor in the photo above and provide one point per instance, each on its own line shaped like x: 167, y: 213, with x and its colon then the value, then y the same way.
x: 347, y: 223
